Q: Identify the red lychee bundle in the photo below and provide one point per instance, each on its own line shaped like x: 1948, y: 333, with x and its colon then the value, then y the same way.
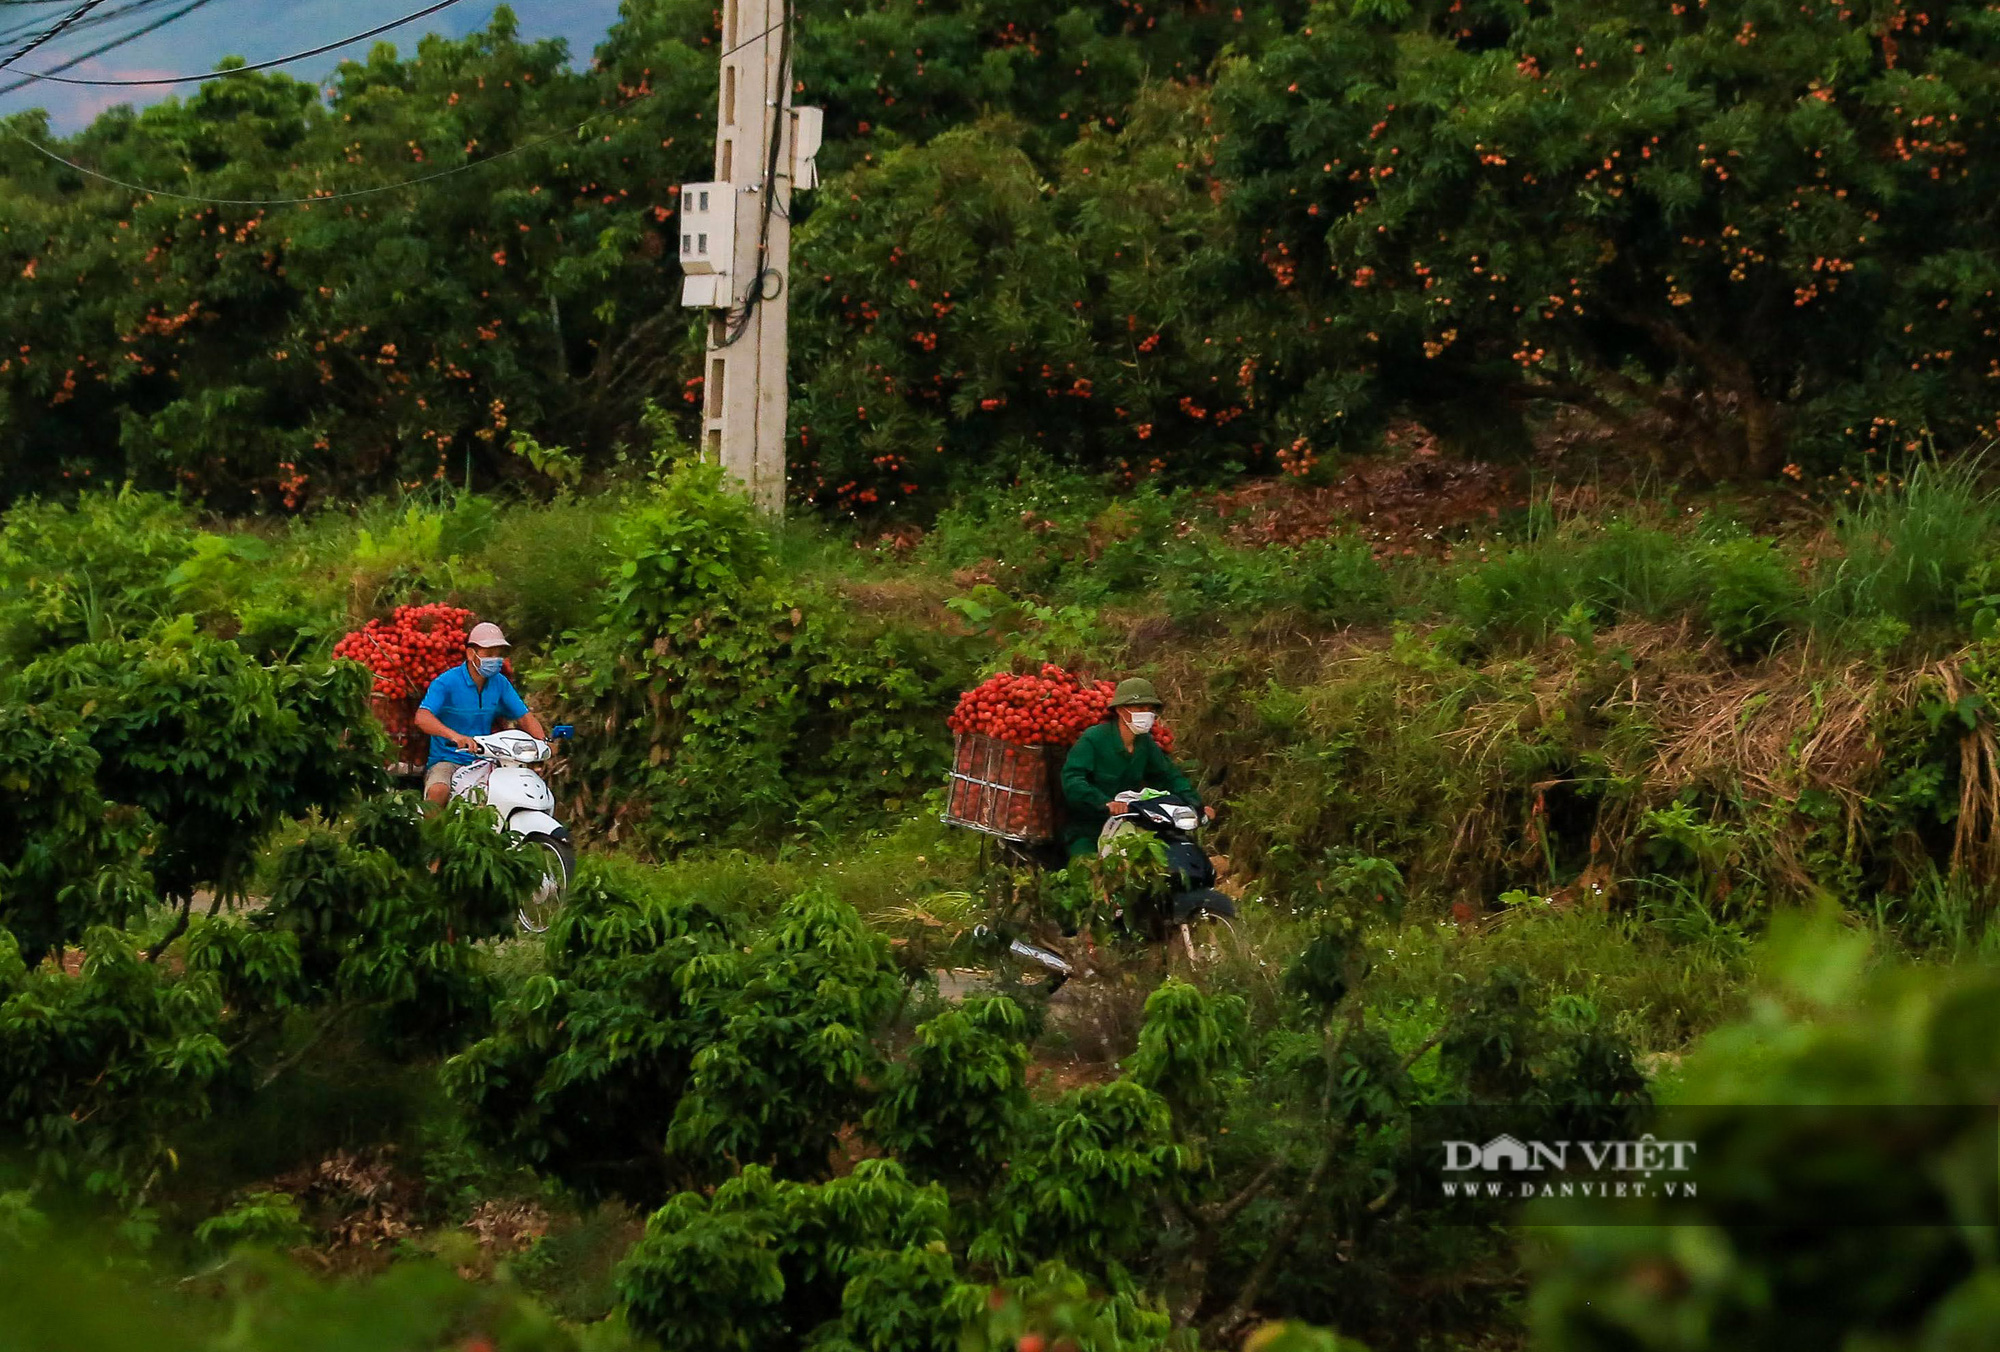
x: 409, y: 649
x: 1050, y: 708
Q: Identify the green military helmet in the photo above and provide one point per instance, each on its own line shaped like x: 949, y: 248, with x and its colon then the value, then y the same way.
x: 1134, y: 690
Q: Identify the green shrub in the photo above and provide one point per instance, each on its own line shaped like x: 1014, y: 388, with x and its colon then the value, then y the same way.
x: 764, y: 1264
x: 713, y: 703
x: 542, y: 568
x: 1447, y: 185
x: 587, y: 1061
x: 96, y: 1299
x: 1754, y: 596
x: 191, y: 735
x: 99, y: 569
x: 949, y: 1109
x: 1036, y: 538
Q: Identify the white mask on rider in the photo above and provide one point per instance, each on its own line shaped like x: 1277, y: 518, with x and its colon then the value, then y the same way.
x: 1142, y: 720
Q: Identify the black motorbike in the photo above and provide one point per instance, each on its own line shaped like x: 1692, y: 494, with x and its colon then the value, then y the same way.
x: 1187, y: 898
x: 1191, y: 875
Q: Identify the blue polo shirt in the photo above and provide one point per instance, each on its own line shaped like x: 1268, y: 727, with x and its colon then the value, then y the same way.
x: 463, y: 707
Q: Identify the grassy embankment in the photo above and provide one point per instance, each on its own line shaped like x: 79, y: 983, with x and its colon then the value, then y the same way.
x: 1597, y: 747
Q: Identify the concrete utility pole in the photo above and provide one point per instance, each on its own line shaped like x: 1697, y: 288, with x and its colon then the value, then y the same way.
x: 736, y: 246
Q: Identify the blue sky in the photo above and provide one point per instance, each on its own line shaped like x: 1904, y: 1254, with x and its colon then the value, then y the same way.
x: 258, y: 30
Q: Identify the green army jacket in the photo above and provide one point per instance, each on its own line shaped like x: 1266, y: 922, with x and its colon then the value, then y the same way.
x: 1099, y: 769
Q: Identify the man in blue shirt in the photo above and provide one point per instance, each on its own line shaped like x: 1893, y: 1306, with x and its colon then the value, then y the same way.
x: 464, y: 703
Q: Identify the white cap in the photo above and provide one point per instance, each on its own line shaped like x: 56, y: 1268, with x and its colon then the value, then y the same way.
x: 487, y: 635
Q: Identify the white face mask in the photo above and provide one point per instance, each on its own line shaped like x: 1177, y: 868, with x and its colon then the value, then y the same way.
x: 1142, y: 720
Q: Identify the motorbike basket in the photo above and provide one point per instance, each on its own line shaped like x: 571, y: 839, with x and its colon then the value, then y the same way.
x: 408, y: 748
x: 1001, y: 789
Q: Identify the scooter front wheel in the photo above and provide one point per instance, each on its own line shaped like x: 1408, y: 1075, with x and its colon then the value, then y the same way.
x: 559, y: 866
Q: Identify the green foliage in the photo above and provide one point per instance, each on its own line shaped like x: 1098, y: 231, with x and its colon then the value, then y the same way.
x: 950, y: 1108
x: 1507, y: 1051
x: 765, y: 1263
x: 187, y: 736
x: 901, y: 72
x: 1720, y: 1280
x: 97, y: 570
x: 588, y: 1060
x: 69, y: 858
x: 109, y: 1055
x: 1600, y: 572
x: 71, y: 1298
x: 1333, y: 580
x: 1292, y: 1336
x: 382, y: 918
x: 1084, y: 1181
x: 1324, y: 970
x: 99, y: 1067
x: 754, y: 715
x: 271, y: 356
x: 261, y: 1218
x: 1191, y: 1050
x: 1697, y: 227
x: 1059, y: 1305
x: 975, y: 310
x: 1754, y: 596
x: 214, y: 748
x: 1911, y: 547
x: 663, y: 1045
x: 792, y: 1053
x: 542, y: 569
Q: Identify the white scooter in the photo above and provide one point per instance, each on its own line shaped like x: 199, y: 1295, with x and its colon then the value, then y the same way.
x: 501, y: 779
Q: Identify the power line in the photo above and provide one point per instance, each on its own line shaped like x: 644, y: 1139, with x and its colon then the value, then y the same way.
x: 118, y: 41
x: 261, y: 65
x: 755, y: 295
x: 21, y: 24
x: 752, y: 38
x: 46, y: 152
x: 62, y: 25
x: 137, y: 6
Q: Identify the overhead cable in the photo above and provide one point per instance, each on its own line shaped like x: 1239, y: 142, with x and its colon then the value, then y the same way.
x: 116, y: 42
x: 15, y: 26
x: 61, y: 26
x: 377, y: 31
x: 740, y: 325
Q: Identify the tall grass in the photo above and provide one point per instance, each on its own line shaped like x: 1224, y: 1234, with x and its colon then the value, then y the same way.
x: 1616, y: 571
x: 1907, y: 548
x: 1648, y: 989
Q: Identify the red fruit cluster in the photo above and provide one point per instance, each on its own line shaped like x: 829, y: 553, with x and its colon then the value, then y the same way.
x: 409, y: 649
x: 1051, y: 708
x: 1004, y: 789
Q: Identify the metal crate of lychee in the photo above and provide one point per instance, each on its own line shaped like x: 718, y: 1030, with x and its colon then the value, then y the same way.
x: 408, y: 748
x: 1001, y: 789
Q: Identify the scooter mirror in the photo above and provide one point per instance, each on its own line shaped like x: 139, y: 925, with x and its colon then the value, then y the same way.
x: 562, y: 732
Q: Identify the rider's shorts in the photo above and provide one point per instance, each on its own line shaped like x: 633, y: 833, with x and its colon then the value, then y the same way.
x: 440, y: 772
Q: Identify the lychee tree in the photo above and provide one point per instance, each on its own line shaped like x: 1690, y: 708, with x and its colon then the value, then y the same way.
x: 1747, y: 233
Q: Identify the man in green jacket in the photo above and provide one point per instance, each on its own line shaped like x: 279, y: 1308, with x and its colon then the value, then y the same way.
x: 1118, y: 757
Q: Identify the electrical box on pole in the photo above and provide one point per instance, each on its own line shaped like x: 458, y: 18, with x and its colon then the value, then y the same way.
x: 708, y: 242
x: 736, y: 244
